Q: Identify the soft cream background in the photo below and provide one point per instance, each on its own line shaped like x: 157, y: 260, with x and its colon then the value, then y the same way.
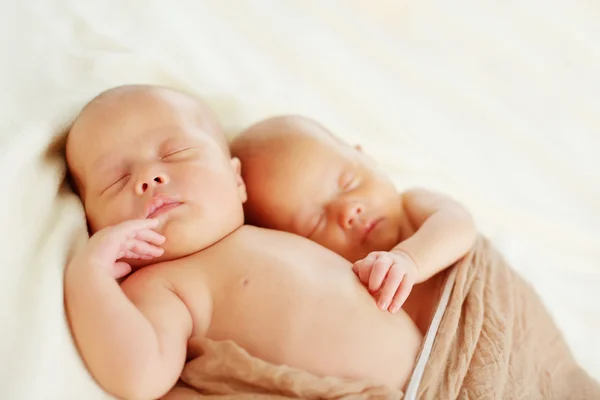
x: 495, y: 102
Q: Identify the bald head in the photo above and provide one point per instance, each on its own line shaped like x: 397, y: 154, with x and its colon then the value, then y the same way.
x: 132, y: 96
x: 130, y: 107
x: 279, y: 135
x: 274, y: 154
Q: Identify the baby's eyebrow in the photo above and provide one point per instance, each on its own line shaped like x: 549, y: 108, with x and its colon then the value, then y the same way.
x: 106, y: 165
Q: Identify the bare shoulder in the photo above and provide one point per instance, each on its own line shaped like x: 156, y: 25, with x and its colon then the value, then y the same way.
x: 171, y: 291
x: 150, y: 288
x: 149, y: 278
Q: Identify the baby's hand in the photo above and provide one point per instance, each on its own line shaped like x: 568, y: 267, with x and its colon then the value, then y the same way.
x: 393, y: 274
x: 134, y: 240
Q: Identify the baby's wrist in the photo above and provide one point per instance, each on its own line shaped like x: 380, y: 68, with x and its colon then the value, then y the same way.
x: 407, y: 255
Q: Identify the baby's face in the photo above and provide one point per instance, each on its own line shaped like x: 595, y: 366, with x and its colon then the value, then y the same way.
x: 326, y: 191
x: 147, y: 156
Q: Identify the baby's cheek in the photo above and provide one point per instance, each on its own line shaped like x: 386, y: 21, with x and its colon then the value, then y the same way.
x: 110, y: 214
x: 93, y: 217
x: 334, y: 241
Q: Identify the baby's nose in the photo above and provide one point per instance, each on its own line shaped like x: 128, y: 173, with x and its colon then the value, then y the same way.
x: 150, y: 181
x: 350, y: 213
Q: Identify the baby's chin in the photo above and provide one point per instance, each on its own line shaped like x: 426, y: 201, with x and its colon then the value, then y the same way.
x: 172, y: 251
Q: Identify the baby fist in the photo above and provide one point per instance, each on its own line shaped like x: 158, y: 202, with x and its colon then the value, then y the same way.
x: 392, y: 274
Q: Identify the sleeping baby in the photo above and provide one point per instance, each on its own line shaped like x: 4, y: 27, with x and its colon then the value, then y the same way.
x: 302, y: 179
x: 170, y: 258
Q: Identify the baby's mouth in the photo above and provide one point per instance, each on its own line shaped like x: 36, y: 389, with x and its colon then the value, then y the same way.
x: 163, y: 209
x: 160, y: 205
x: 369, y: 226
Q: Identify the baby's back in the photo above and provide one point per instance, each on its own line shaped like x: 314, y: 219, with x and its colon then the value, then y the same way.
x: 290, y: 301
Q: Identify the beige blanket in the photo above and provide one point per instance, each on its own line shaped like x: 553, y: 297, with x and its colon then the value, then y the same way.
x: 495, y: 341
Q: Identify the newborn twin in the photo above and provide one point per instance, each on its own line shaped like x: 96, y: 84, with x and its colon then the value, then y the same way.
x: 319, y: 278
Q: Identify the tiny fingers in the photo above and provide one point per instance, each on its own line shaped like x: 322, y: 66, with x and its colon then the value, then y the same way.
x: 130, y: 228
x: 379, y: 270
x: 362, y: 268
x: 356, y: 266
x: 390, y: 286
x: 142, y: 248
x: 135, y: 256
x: 150, y: 236
x: 402, y: 293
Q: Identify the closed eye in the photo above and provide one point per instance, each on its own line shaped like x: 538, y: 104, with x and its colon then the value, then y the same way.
x: 176, y: 152
x: 348, y: 182
x: 316, y: 225
x: 120, y: 180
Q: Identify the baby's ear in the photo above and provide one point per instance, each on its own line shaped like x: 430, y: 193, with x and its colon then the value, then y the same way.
x: 236, y: 164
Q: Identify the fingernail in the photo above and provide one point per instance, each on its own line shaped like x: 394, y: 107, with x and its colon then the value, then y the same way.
x: 393, y: 309
x: 383, y: 304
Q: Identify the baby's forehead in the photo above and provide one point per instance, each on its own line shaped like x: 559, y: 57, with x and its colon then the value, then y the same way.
x: 309, y: 163
x: 144, y: 108
x: 294, y: 159
x: 318, y: 148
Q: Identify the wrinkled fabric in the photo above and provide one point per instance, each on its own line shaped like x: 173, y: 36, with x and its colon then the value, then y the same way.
x: 498, y: 341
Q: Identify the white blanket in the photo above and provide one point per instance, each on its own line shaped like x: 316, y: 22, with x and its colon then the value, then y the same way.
x: 496, y: 103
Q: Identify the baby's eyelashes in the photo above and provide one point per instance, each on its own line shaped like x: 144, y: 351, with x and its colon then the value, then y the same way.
x: 314, y: 227
x: 177, y: 152
x: 348, y: 181
x: 120, y: 182
x: 181, y: 154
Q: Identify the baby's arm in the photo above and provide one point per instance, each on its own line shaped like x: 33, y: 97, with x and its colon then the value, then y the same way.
x: 444, y: 231
x: 132, y: 338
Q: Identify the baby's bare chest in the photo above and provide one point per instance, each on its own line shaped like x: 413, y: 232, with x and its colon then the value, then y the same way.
x: 291, y: 303
x: 246, y: 283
